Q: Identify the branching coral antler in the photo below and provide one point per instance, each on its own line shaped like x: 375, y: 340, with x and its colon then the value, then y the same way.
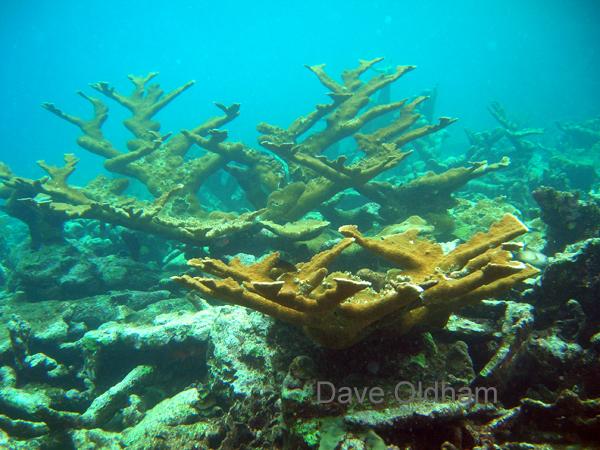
x: 321, y: 178
x: 151, y: 157
x: 429, y: 193
x: 338, y: 309
x: 514, y: 133
x: 46, y: 203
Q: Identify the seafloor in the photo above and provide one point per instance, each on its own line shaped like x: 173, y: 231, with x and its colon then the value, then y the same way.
x: 361, y: 332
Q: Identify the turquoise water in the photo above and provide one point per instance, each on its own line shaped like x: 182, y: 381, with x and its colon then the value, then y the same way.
x: 539, y: 58
x: 283, y: 253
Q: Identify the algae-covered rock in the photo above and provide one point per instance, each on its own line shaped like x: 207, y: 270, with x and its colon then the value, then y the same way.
x: 569, y: 218
x: 412, y: 223
x: 63, y: 272
x: 240, y: 357
x: 105, y: 405
x: 471, y: 217
x: 96, y: 439
x: 573, y: 274
x: 160, y: 424
x: 54, y: 272
x: 167, y: 334
x: 118, y: 273
x: 9, y: 442
x: 34, y: 406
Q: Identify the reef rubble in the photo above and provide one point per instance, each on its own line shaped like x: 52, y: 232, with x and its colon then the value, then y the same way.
x: 169, y: 371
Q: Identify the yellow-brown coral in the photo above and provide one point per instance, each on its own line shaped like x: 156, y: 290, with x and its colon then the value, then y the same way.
x: 338, y: 309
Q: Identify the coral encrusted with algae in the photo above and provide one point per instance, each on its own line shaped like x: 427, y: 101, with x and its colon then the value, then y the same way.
x: 339, y: 309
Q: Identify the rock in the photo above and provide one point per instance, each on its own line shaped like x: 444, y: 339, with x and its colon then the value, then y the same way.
x: 134, y: 412
x: 579, y: 262
x: 464, y: 328
x: 552, y: 351
x: 412, y: 223
x: 517, y: 323
x: 119, y: 273
x: 168, y: 338
x: 162, y: 418
x: 8, y: 377
x: 36, y: 273
x: 113, y: 306
x: 176, y: 263
x: 569, y: 219
x: 240, y: 358
x: 137, y: 300
x: 595, y: 341
x: 459, y: 367
x: 569, y: 415
x: 423, y: 413
x: 164, y: 334
x: 63, y: 272
x: 56, y: 331
x: 3, y: 274
x: 95, y: 439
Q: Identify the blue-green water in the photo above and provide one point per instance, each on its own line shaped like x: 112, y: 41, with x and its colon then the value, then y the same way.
x: 154, y: 287
x: 539, y: 58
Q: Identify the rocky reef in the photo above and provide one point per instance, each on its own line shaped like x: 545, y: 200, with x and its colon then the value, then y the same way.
x: 343, y: 284
x: 138, y: 369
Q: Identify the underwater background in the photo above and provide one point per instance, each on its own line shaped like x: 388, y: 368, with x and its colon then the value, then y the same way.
x: 228, y: 251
